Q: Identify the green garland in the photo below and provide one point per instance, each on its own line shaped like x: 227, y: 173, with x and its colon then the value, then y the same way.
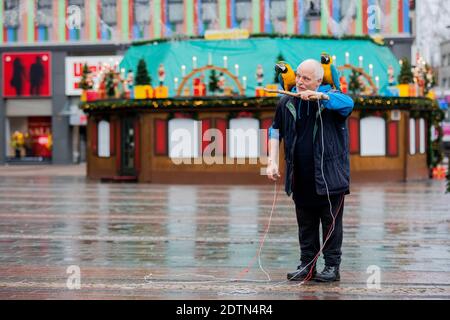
x: 376, y: 113
x: 433, y: 118
x: 176, y: 104
x: 244, y: 103
x: 260, y: 35
x: 367, y: 105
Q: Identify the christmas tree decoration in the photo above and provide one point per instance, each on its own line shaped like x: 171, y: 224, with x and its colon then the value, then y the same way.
x: 430, y: 79
x: 86, y: 82
x: 354, y: 83
x: 143, y: 89
x: 406, y: 75
x: 213, y: 83
x: 110, y: 85
x: 405, y: 79
x: 142, y: 76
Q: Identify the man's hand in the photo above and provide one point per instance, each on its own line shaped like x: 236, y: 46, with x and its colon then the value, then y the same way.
x: 309, y: 95
x: 272, y: 171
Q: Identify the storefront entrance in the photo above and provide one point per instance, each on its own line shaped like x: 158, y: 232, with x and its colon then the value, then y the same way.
x: 128, y: 147
x: 29, y: 139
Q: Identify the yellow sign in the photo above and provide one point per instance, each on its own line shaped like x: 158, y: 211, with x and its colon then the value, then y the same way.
x: 227, y: 34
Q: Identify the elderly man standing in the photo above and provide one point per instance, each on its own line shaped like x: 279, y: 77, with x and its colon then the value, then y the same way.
x: 315, y: 137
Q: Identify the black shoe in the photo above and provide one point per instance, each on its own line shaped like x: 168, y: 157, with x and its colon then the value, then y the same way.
x: 329, y: 274
x: 302, y: 272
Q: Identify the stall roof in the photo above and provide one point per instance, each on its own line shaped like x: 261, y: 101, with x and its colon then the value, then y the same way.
x: 248, y: 53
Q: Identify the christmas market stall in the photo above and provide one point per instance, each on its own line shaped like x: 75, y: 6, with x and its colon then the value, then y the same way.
x: 195, y: 110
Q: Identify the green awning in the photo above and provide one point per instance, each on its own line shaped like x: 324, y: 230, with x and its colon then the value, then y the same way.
x: 248, y: 53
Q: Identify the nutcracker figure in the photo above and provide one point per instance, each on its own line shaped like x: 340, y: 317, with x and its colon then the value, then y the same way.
x: 259, y: 75
x: 161, y: 74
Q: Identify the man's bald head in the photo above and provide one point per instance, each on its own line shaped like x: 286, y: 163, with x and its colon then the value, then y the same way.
x: 309, y: 75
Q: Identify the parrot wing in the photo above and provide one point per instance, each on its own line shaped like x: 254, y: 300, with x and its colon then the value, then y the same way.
x: 335, y: 76
x: 281, y: 80
x: 290, y: 79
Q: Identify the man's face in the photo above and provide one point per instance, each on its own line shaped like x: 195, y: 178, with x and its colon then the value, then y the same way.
x: 305, y: 79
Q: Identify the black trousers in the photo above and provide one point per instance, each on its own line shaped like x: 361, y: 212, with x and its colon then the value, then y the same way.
x: 309, y: 219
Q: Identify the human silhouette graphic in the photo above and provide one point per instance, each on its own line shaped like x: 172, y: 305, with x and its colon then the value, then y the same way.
x: 18, y: 76
x: 36, y: 76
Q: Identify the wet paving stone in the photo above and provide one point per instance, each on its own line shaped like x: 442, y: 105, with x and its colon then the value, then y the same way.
x: 148, y: 241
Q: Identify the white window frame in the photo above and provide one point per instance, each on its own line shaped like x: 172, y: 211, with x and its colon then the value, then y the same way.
x: 412, y: 136
x: 422, y: 135
x: 372, y: 135
x: 237, y: 147
x: 103, y: 131
x: 188, y: 127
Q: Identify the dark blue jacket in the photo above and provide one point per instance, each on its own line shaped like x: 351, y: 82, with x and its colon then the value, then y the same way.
x: 336, y: 164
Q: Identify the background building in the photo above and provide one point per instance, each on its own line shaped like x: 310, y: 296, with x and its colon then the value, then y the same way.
x: 68, y: 29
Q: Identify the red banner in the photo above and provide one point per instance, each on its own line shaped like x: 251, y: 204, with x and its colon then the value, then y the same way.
x: 26, y: 74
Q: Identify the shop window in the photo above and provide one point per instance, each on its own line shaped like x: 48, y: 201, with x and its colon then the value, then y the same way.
x: 142, y: 17
x: 373, y: 136
x: 392, y: 140
x: 175, y: 16
x: 243, y: 13
x: 412, y: 136
x: 11, y: 19
x: 108, y: 19
x: 243, y: 137
x: 44, y: 19
x: 210, y: 16
x: 422, y: 136
x: 277, y: 16
x: 184, y: 140
x: 103, y: 139
x: 312, y: 8
x: 29, y: 138
x: 76, y: 13
x: 160, y: 137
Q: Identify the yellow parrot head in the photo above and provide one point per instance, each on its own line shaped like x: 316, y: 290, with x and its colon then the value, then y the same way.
x: 281, y: 67
x: 326, y: 59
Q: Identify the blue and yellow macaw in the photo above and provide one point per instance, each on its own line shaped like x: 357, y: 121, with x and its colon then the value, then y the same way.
x: 285, y: 75
x: 331, y: 73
